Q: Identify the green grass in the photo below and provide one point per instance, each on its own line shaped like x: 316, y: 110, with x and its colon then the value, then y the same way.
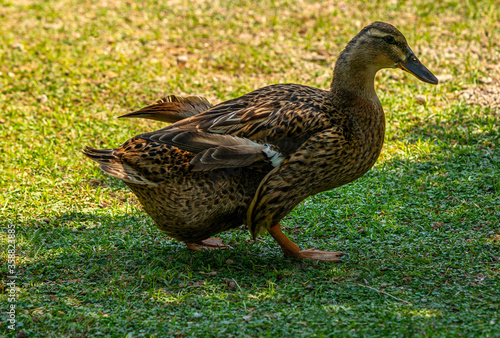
x: 421, y: 230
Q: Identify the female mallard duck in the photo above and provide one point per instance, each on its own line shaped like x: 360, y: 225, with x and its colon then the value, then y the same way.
x: 252, y: 159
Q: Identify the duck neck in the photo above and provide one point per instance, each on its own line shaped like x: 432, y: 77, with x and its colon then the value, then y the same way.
x: 353, y: 91
x: 353, y: 80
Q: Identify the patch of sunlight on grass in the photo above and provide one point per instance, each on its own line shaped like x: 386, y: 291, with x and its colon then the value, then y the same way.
x: 268, y: 293
x: 166, y: 298
x: 3, y: 239
x: 422, y: 313
x: 412, y: 150
x: 70, y: 301
x: 335, y: 308
x: 494, y: 240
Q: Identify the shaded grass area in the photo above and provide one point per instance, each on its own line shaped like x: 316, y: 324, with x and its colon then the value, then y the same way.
x: 421, y: 230
x: 434, y: 253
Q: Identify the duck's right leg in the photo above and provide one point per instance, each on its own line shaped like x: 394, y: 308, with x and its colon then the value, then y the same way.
x: 290, y: 249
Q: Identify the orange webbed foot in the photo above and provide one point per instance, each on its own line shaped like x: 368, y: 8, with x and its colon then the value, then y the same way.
x: 208, y: 244
x: 317, y: 255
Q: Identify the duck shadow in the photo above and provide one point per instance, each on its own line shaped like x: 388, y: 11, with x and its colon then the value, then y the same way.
x: 92, y: 244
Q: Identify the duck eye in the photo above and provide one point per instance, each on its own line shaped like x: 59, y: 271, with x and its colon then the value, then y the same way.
x: 389, y: 39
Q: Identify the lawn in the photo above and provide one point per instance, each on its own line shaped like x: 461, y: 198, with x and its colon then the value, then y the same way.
x: 421, y: 229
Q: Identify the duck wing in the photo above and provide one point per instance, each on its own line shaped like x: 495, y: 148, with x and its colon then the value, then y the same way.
x: 216, y: 151
x: 265, y: 125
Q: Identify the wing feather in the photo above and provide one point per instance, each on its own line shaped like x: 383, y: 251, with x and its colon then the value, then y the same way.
x: 172, y: 109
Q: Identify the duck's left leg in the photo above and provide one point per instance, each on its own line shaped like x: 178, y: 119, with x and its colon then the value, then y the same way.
x: 208, y: 244
x: 290, y: 249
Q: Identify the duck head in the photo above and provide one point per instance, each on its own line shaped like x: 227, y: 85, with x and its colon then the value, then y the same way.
x: 377, y: 46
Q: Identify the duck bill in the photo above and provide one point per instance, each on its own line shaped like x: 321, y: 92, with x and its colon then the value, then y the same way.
x: 413, y: 66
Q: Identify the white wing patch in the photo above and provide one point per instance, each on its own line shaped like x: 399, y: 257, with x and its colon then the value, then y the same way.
x: 275, y: 157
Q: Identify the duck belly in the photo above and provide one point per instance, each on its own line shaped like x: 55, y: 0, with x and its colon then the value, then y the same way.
x: 198, y: 205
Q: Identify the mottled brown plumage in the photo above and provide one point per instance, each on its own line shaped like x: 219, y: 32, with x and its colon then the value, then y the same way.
x: 252, y: 159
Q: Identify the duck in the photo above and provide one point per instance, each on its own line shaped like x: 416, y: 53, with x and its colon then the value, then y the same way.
x: 252, y: 159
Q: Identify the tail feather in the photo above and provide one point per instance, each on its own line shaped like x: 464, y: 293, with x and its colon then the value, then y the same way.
x: 110, y: 162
